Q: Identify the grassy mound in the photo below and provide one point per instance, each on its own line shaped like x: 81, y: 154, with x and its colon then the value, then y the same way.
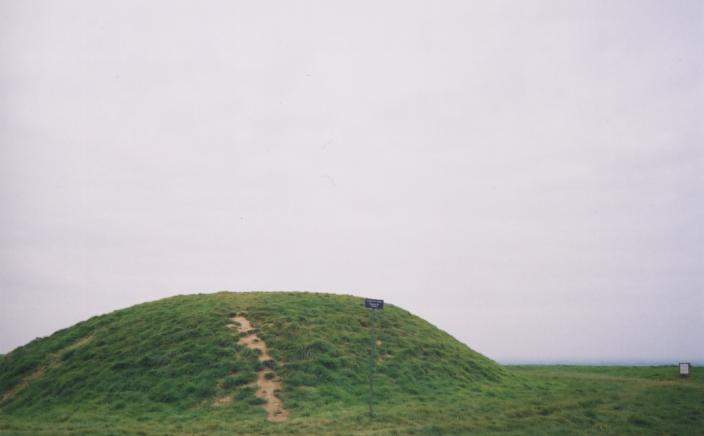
x: 174, y: 359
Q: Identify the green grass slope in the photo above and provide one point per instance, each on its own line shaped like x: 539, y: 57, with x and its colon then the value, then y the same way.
x: 167, y: 367
x: 167, y: 361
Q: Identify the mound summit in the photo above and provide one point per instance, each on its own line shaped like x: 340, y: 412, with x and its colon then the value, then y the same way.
x: 242, y: 356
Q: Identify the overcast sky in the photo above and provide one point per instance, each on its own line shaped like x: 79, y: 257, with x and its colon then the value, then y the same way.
x: 528, y: 176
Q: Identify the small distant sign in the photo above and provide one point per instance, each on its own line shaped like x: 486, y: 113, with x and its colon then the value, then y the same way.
x: 684, y: 369
x: 371, y: 303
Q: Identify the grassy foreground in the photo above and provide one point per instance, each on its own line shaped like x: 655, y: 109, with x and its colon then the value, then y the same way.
x: 157, y: 368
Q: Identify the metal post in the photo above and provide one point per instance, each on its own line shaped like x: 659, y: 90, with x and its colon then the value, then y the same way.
x: 372, y: 361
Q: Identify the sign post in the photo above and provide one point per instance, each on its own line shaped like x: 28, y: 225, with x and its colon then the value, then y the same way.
x: 374, y: 305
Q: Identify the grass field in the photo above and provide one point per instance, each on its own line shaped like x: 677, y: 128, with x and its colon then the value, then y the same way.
x: 157, y: 368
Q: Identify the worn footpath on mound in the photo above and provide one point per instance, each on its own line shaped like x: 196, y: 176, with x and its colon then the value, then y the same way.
x: 266, y: 387
x: 53, y: 360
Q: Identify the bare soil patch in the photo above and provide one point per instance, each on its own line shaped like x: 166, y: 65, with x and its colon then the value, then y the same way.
x: 266, y: 388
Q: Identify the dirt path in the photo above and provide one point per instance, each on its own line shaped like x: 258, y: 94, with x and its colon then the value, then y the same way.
x: 54, y: 359
x: 266, y: 388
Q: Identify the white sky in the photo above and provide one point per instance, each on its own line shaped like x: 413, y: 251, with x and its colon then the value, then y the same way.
x: 528, y: 176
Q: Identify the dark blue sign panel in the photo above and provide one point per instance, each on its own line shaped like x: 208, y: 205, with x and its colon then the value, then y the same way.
x: 371, y: 303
